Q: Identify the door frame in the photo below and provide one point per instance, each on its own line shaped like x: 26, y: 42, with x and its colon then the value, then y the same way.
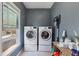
x: 14, y: 47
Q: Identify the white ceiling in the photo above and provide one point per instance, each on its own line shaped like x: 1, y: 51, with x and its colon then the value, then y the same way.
x: 38, y: 4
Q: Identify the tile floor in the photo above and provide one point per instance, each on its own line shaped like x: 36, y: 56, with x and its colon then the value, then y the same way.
x: 37, y: 53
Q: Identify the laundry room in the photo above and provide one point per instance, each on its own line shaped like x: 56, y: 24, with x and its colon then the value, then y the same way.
x: 39, y: 29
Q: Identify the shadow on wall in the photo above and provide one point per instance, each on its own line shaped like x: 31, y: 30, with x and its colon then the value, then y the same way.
x: 38, y: 17
x: 70, y: 16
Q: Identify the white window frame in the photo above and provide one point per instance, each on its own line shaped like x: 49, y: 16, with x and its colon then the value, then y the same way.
x: 0, y: 27
x: 14, y: 47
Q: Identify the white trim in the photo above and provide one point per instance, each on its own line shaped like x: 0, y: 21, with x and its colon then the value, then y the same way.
x: 12, y: 6
x: 14, y: 47
x: 10, y: 50
x: 20, y: 52
x: 0, y: 28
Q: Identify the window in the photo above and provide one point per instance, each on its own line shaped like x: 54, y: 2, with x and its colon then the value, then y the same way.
x: 10, y: 19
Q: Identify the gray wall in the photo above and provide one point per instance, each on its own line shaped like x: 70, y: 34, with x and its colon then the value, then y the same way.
x: 69, y: 16
x: 38, y: 17
x: 22, y: 23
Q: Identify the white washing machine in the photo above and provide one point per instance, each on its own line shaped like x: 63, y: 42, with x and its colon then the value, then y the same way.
x: 45, y: 38
x: 30, y: 38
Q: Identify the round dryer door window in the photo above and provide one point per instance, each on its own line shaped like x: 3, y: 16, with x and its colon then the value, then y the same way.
x: 45, y: 35
x: 30, y: 34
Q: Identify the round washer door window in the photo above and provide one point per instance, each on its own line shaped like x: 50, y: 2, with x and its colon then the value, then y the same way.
x: 45, y: 35
x: 30, y: 34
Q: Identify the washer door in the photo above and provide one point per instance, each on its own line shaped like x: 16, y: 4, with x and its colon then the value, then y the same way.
x: 30, y: 35
x: 45, y: 35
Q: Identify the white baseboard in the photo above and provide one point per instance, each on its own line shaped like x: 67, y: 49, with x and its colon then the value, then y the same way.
x: 20, y: 52
x: 10, y: 50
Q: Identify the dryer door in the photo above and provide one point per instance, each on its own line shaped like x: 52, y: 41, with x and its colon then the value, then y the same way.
x: 45, y: 35
x: 30, y: 34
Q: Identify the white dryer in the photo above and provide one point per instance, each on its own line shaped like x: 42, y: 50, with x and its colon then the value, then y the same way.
x: 45, y: 38
x: 30, y: 38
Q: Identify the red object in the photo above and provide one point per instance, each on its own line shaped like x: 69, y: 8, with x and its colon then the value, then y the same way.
x: 56, y: 53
